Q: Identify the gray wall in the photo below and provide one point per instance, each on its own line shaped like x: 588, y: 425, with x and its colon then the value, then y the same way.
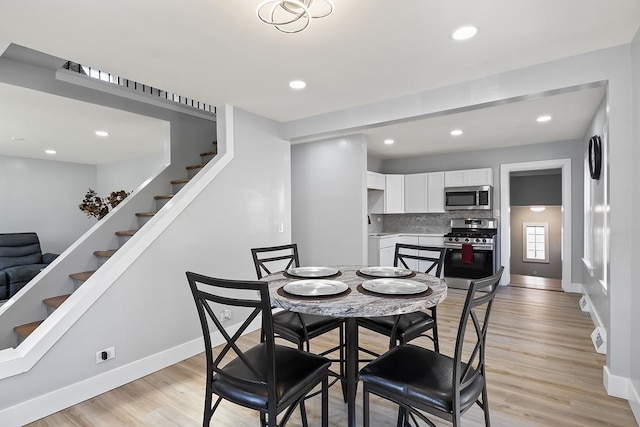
x: 329, y: 206
x: 635, y: 249
x: 43, y: 196
x: 540, y: 190
x: 493, y: 158
x: 553, y: 217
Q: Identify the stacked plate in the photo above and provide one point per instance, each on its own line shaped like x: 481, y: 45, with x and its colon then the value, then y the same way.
x: 312, y: 272
x: 394, y: 286
x: 315, y: 287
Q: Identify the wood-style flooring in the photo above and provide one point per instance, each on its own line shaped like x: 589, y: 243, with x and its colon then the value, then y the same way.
x: 542, y: 370
x: 535, y: 282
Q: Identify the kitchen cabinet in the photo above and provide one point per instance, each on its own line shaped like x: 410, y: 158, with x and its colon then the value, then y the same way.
x: 468, y: 177
x: 382, y: 249
x: 394, y: 194
x: 424, y: 192
x: 375, y: 181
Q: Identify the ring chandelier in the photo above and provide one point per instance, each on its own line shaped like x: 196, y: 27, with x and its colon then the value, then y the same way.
x: 292, y: 16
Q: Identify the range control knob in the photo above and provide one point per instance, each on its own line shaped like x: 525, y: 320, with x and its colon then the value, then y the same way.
x: 466, y: 240
x: 455, y: 239
x: 477, y: 240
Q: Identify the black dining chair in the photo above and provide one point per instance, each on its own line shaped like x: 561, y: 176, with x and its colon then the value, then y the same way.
x: 298, y: 328
x: 405, y: 327
x: 420, y: 380
x: 266, y: 377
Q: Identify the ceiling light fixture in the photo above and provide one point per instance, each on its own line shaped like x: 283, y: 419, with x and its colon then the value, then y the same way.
x: 456, y: 132
x: 537, y: 208
x: 389, y: 141
x: 543, y: 119
x: 297, y: 84
x: 292, y: 16
x: 18, y: 138
x: 50, y: 151
x: 464, y: 33
x: 102, y: 133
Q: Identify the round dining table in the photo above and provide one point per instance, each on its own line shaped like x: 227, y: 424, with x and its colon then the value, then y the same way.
x: 354, y: 302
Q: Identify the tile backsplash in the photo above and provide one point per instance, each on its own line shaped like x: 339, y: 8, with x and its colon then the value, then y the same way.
x: 427, y: 223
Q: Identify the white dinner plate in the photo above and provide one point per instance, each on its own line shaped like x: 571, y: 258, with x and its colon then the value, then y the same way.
x: 312, y: 272
x: 394, y: 286
x: 384, y: 272
x: 315, y: 287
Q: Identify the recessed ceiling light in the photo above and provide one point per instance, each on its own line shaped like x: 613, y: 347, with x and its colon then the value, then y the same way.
x: 456, y: 132
x: 389, y: 141
x: 464, y: 33
x: 297, y: 84
x: 102, y: 133
x: 543, y: 119
x: 50, y: 151
x: 18, y: 138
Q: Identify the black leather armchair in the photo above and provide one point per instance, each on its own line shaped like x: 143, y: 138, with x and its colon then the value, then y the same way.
x: 21, y: 259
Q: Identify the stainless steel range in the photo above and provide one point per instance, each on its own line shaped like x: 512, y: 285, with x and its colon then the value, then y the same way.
x: 470, y: 251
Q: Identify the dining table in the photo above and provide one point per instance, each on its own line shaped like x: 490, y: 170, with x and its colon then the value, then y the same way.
x: 351, y: 292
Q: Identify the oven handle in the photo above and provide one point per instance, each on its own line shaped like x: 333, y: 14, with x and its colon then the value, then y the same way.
x: 475, y: 247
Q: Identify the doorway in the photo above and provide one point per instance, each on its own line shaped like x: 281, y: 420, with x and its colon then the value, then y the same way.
x: 507, y: 249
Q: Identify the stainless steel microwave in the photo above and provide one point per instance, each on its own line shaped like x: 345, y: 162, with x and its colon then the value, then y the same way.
x: 466, y: 198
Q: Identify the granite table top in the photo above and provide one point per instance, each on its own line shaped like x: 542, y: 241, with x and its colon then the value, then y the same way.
x: 356, y: 302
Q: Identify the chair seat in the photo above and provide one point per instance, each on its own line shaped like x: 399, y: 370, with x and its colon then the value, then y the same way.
x: 410, y: 325
x: 295, y: 371
x: 287, y: 325
x: 420, y: 376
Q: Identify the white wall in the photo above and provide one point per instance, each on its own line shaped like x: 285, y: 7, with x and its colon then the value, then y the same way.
x: 329, y: 201
x: 634, y: 203
x: 148, y: 313
x: 43, y: 196
x: 128, y: 174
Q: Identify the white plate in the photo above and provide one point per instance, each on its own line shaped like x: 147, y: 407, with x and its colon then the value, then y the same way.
x: 386, y: 271
x: 312, y: 272
x: 315, y: 287
x: 394, y: 286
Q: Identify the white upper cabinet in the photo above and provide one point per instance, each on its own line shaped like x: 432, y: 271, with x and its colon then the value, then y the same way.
x: 435, y: 192
x: 415, y: 193
x: 394, y: 194
x: 468, y: 177
x: 375, y: 181
x: 424, y: 192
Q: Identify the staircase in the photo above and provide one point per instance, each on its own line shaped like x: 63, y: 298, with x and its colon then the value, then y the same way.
x: 51, y: 304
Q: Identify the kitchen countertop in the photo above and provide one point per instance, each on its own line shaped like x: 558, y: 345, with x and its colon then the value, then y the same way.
x: 383, y: 235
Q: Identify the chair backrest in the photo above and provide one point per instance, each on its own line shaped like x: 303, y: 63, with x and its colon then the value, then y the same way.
x: 431, y: 257
x: 19, y: 249
x: 469, y: 355
x: 207, y: 291
x: 274, y: 258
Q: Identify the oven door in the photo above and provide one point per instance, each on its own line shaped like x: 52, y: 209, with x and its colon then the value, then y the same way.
x: 482, y: 265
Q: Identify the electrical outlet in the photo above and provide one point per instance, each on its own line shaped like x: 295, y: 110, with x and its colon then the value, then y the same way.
x: 106, y: 354
x: 225, y: 315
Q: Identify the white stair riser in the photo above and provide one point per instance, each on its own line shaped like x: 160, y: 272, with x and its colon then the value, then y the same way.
x: 142, y: 220
x: 160, y: 203
x: 192, y: 172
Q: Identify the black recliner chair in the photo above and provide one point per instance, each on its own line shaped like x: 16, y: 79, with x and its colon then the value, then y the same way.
x: 21, y: 259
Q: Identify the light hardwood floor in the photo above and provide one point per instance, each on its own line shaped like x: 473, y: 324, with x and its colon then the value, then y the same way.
x: 542, y: 370
x: 534, y: 282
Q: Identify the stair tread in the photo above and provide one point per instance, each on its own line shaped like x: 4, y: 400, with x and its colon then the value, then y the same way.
x: 26, y: 329
x: 82, y: 276
x: 126, y: 233
x: 180, y: 181
x: 210, y: 153
x: 106, y: 254
x: 56, y: 302
x: 195, y: 167
x: 163, y: 196
x: 145, y: 213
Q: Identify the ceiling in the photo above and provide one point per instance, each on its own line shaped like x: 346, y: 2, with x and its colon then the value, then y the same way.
x: 32, y: 122
x: 366, y: 51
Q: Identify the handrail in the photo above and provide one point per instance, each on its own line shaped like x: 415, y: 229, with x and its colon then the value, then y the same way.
x: 137, y: 87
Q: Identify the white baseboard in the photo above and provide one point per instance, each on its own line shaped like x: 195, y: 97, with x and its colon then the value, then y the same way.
x: 575, y: 288
x: 615, y: 385
x: 50, y: 403
x: 634, y: 401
